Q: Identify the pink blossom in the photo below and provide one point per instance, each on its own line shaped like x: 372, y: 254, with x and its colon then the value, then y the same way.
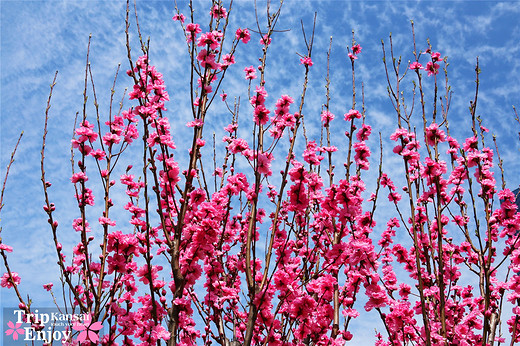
x: 302, y: 306
x: 243, y: 35
x: 111, y: 138
x: 195, y: 123
x: 330, y: 149
x: 250, y: 73
x: 227, y: 60
x: 471, y: 144
x: 231, y: 128
x: 352, y: 114
x: 218, y: 12
x: 377, y: 297
x: 5, y: 280
x: 362, y: 155
x: 400, y: 133
x: 310, y: 156
x: 79, y: 226
x: 283, y: 104
x: 432, y: 169
x: 192, y: 30
x: 180, y: 17
x: 434, y: 134
x: 461, y: 221
x: 265, y: 40
x: 106, y: 221
x: 6, y: 248
x: 364, y: 132
x: 210, y: 40
x: 79, y: 177
x: 353, y: 313
x: 98, y: 154
x: 386, y: 181
x: 356, y: 49
x: 326, y: 118
x: 261, y: 115
x: 264, y: 163
x: 238, y: 145
x: 432, y: 68
x: 394, y: 197
x: 306, y: 61
x: 436, y: 56
x: 415, y: 66
x: 207, y: 60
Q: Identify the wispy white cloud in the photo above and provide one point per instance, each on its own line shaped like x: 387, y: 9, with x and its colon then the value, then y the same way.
x: 41, y: 37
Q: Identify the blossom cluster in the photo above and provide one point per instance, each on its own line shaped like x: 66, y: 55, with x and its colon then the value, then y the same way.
x: 254, y: 257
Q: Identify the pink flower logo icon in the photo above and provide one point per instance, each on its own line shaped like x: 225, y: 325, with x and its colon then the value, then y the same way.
x: 88, y: 330
x: 14, y: 330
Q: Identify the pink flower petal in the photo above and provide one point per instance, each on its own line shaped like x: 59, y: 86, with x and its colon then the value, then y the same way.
x: 92, y: 336
x: 82, y: 336
x: 96, y: 326
x: 79, y: 327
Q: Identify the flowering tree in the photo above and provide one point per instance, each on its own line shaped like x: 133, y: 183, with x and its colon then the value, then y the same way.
x: 241, y: 255
x: 441, y: 190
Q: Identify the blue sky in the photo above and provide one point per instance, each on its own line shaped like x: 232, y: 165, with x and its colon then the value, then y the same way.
x: 40, y: 37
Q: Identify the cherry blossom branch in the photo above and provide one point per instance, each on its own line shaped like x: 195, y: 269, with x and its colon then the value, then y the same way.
x: 10, y: 279
x: 49, y: 207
